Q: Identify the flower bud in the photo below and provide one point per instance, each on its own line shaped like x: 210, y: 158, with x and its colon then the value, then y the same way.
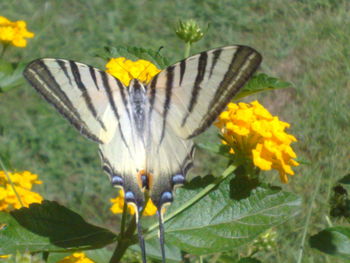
x: 189, y: 31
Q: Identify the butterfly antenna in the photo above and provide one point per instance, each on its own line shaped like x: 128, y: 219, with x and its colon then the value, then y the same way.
x: 161, y: 234
x: 141, y: 240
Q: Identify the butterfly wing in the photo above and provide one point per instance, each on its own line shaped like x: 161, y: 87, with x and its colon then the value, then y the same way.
x: 78, y: 92
x: 96, y: 104
x: 186, y: 98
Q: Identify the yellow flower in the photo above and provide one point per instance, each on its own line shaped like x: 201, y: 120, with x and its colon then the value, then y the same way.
x: 125, y: 70
x: 23, y: 183
x: 14, y: 32
x: 118, y: 204
x: 251, y: 131
x: 77, y: 257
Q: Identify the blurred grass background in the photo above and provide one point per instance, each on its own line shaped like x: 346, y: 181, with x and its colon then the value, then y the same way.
x: 304, y: 42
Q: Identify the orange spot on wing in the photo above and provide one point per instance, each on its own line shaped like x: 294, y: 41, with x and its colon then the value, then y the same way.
x: 149, y: 178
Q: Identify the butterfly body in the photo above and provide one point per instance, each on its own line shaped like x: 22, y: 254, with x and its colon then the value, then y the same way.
x: 138, y: 146
x: 145, y: 131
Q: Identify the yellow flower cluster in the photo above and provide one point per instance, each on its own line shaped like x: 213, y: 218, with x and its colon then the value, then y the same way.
x: 14, y: 32
x: 125, y: 70
x: 77, y: 257
x: 251, y: 131
x: 23, y: 183
x: 118, y: 205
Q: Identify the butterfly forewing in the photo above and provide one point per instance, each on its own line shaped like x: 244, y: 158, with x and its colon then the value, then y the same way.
x: 187, y: 97
x: 77, y: 92
x: 192, y: 93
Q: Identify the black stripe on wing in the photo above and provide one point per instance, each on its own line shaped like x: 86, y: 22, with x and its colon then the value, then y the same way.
x: 243, y: 64
x: 168, y: 95
x: 152, y: 98
x: 85, y: 93
x: 41, y: 78
x: 93, y: 75
x: 124, y: 98
x: 202, y: 64
x: 108, y: 89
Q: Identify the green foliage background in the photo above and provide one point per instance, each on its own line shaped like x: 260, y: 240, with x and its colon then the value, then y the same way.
x: 304, y: 42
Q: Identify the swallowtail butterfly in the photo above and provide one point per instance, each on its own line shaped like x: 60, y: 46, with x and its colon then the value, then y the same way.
x: 145, y: 131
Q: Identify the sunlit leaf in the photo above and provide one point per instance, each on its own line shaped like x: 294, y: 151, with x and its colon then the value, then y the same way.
x: 261, y: 82
x: 231, y: 215
x: 333, y: 241
x: 173, y: 253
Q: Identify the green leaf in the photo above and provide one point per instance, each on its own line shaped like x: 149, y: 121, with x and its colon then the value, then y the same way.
x: 231, y: 215
x: 135, y: 53
x: 55, y: 257
x: 333, y: 241
x: 49, y: 227
x: 221, y: 149
x: 345, y: 182
x: 10, y: 75
x: 172, y: 252
x: 96, y: 255
x: 261, y: 82
x: 340, y: 203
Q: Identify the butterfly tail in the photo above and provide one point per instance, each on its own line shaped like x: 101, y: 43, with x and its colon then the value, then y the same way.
x: 161, y: 234
x: 141, y: 239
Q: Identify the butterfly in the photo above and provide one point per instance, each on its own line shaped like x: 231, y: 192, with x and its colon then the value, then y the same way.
x: 144, y: 131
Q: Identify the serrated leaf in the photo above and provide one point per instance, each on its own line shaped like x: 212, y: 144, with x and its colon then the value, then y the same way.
x: 227, y: 217
x: 333, y: 241
x: 172, y: 252
x: 135, y: 53
x: 261, y: 82
x: 49, y: 227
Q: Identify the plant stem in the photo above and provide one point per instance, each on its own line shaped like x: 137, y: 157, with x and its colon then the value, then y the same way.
x: 187, y: 49
x: 122, y: 227
x: 4, y: 47
x: 11, y: 183
x: 329, y: 222
x: 124, y: 242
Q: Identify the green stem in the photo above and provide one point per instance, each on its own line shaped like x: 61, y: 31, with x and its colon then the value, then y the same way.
x: 122, y: 227
x: 4, y: 48
x: 11, y: 183
x: 187, y: 49
x: 329, y: 222
x: 196, y: 198
x: 124, y: 242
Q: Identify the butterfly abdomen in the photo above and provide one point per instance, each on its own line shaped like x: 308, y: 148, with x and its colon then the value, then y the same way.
x: 138, y: 103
